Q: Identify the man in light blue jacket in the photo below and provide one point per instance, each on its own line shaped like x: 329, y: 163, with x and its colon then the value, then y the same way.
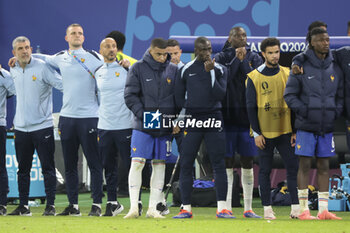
x: 7, y: 89
x: 114, y: 121
x: 33, y: 122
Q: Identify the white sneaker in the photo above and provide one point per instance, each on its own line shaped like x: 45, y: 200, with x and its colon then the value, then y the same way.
x: 153, y: 214
x: 269, y: 214
x: 294, y: 214
x: 132, y: 214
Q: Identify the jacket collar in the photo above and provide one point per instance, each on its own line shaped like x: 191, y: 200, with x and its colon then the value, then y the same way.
x: 147, y: 57
x: 315, y: 61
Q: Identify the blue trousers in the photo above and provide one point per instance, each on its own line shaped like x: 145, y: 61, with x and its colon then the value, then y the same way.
x: 291, y: 163
x: 110, y: 143
x: 4, y: 187
x: 44, y: 143
x: 215, y: 144
x: 75, y: 132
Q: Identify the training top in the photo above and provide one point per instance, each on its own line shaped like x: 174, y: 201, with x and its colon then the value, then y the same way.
x: 198, y: 91
x: 34, y: 95
x: 79, y: 87
x: 113, y: 114
x: 268, y: 113
x: 7, y: 89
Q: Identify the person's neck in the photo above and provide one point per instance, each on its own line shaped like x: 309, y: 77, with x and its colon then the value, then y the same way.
x: 321, y: 56
x: 22, y: 65
x: 75, y: 48
x: 109, y: 61
x: 271, y: 66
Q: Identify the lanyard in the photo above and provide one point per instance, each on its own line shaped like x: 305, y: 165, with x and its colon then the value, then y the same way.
x: 82, y: 64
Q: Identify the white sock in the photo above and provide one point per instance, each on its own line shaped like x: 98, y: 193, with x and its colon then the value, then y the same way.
x: 221, y: 205
x: 303, y: 195
x: 187, y: 208
x: 229, y: 172
x: 157, y: 183
x: 247, y: 180
x: 322, y: 201
x: 76, y: 206
x: 268, y: 207
x: 26, y: 206
x: 4, y: 206
x: 98, y: 205
x: 135, y: 180
x: 113, y: 202
x: 295, y: 209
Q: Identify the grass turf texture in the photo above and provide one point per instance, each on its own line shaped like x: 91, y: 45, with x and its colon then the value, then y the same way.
x: 204, y: 220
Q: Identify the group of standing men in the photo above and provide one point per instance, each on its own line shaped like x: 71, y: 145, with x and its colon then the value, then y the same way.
x: 231, y: 88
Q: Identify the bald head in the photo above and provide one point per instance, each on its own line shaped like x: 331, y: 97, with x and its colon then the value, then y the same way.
x: 108, y: 49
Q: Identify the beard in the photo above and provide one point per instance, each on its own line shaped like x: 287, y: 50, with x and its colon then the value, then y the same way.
x: 272, y: 64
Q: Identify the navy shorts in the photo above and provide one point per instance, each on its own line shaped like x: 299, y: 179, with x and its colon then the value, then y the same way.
x: 310, y: 144
x: 238, y: 140
x: 144, y: 145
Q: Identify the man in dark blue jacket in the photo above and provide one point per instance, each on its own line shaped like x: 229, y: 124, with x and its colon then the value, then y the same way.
x: 316, y: 96
x: 200, y: 88
x: 239, y: 61
x: 149, y: 94
x: 343, y: 59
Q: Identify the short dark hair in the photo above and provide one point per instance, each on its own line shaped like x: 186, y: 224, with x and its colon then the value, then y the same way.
x: 73, y: 25
x: 235, y: 29
x: 316, y: 24
x: 173, y: 43
x: 269, y: 42
x: 119, y: 37
x: 159, y: 43
x: 314, y: 32
x: 200, y: 40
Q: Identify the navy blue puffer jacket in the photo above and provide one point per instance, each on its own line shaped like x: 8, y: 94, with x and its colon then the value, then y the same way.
x: 150, y: 87
x: 317, y: 95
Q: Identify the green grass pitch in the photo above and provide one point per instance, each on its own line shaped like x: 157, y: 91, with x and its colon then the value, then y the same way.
x: 203, y: 221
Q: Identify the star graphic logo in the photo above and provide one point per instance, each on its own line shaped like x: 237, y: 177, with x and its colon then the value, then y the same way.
x: 151, y: 120
x: 117, y: 74
x: 34, y: 78
x: 134, y: 149
x: 82, y: 60
x: 332, y: 78
x: 156, y: 115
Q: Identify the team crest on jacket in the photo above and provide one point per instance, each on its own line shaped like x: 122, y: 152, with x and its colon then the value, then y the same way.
x: 34, y: 78
x: 298, y: 146
x: 82, y: 60
x: 168, y: 80
x: 117, y: 74
x: 134, y: 149
x: 332, y: 78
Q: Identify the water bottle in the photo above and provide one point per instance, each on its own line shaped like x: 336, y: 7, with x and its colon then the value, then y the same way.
x: 33, y: 203
x: 38, y: 50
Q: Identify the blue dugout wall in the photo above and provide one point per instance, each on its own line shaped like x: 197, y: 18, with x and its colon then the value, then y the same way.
x: 44, y: 22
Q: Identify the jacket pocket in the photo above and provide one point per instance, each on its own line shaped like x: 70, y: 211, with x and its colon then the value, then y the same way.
x: 314, y: 112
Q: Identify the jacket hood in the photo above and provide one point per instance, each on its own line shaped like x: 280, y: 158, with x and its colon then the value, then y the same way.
x: 147, y: 57
x: 315, y: 61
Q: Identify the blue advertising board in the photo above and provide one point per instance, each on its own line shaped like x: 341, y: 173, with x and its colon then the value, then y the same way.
x: 36, y: 178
